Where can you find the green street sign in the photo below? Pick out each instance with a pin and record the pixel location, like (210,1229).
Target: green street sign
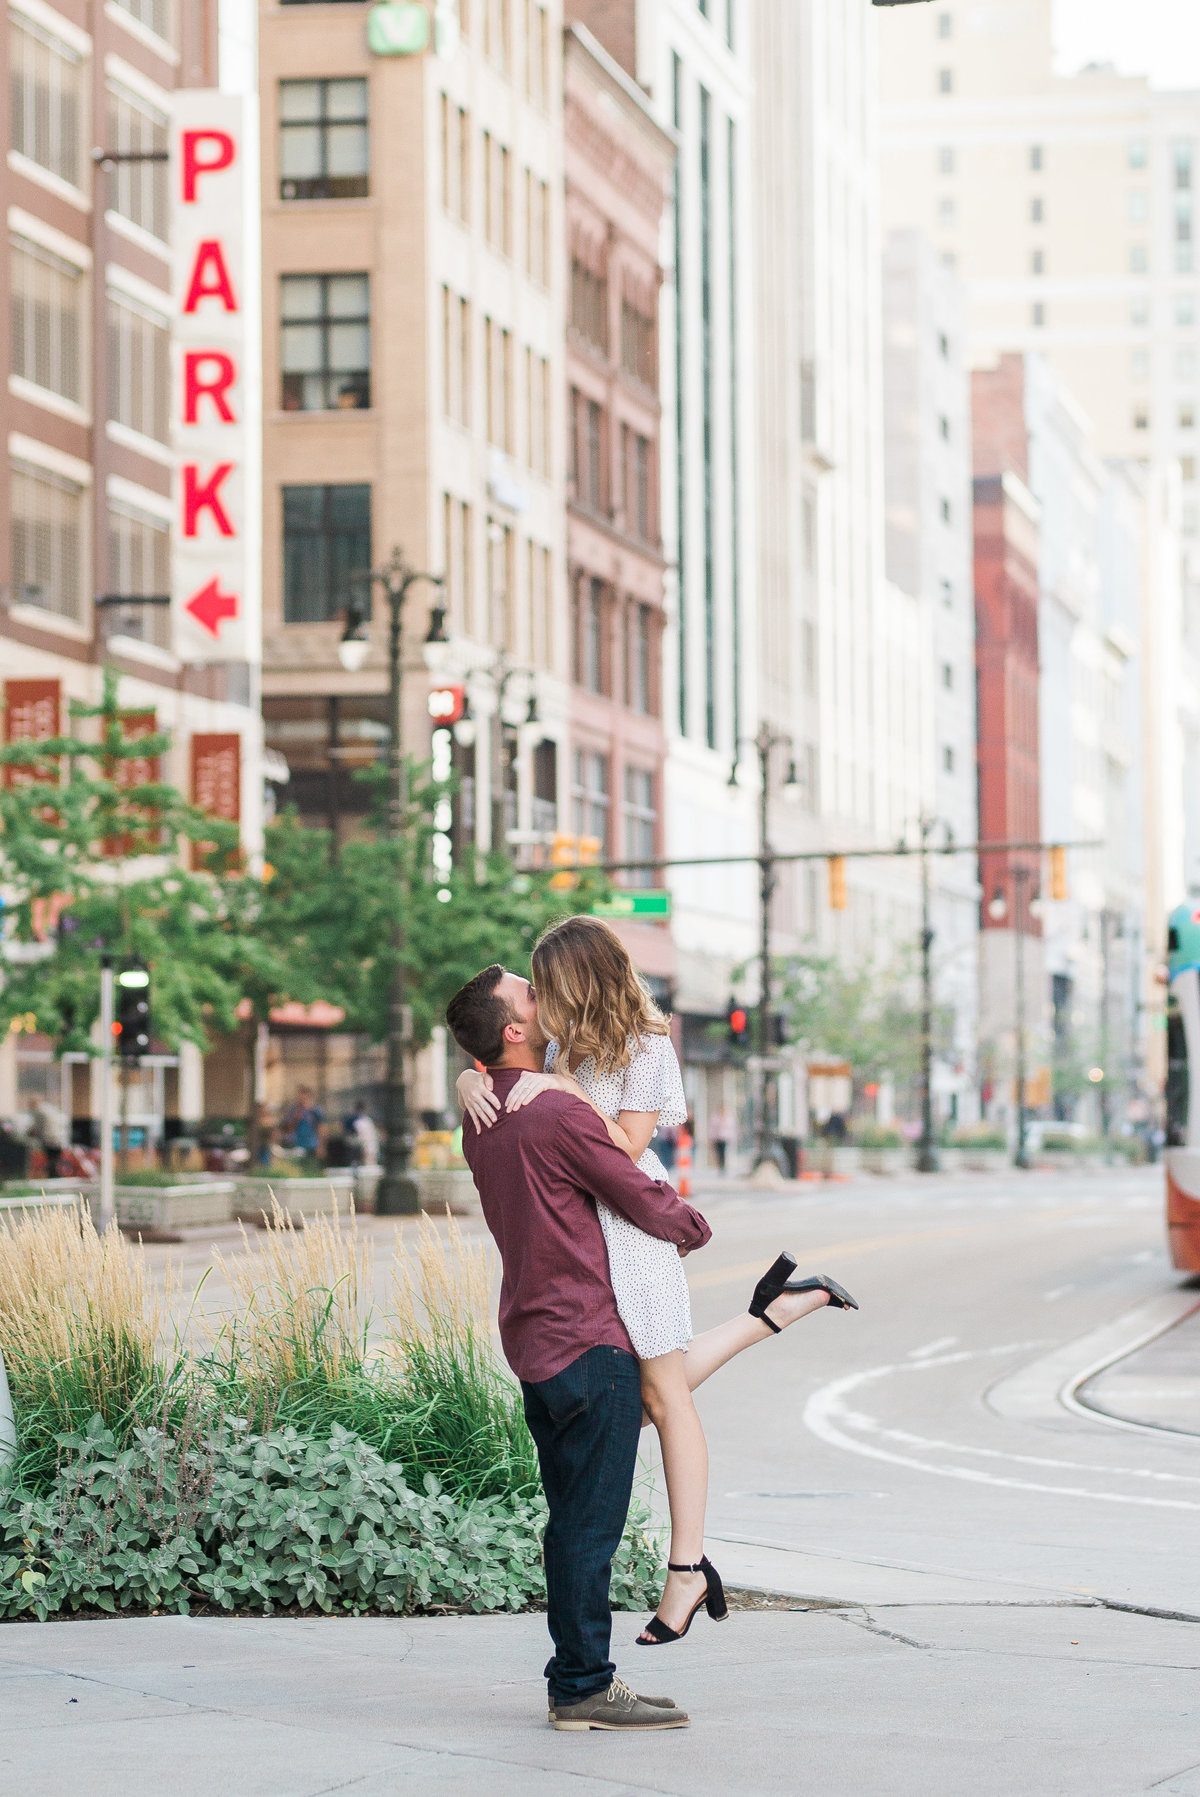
(634,904)
(397,28)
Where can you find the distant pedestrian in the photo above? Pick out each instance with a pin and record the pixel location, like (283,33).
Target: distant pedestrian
(722,1131)
(304,1122)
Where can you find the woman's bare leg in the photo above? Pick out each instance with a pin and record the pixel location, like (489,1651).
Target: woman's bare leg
(710,1350)
(668,1401)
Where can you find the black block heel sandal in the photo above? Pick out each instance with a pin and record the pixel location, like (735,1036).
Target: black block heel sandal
(713,1601)
(778,1279)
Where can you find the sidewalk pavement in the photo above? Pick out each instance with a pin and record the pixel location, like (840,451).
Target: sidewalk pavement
(1062,1701)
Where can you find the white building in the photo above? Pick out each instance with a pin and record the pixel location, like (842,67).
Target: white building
(1066,204)
(929,555)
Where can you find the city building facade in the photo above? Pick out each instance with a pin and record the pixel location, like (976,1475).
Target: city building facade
(414,375)
(929,526)
(87,502)
(618,170)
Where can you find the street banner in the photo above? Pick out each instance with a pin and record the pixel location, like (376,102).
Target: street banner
(32,712)
(215,395)
(216,782)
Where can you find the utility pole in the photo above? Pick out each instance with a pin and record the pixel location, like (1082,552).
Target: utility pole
(928,1160)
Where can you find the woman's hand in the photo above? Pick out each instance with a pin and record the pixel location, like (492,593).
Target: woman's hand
(528,1087)
(477,1098)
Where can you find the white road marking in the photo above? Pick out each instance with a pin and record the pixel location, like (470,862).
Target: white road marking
(943,1341)
(829,1418)
(1060,1291)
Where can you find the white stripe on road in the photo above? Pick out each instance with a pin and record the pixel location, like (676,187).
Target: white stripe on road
(829,1417)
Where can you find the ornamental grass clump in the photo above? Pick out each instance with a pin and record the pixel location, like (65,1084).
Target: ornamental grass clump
(83,1334)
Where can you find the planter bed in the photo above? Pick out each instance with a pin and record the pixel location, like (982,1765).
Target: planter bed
(13,1203)
(440,1187)
(192,1205)
(985,1160)
(884,1160)
(296,1198)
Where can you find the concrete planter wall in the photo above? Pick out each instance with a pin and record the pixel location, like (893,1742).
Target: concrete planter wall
(193,1205)
(839,1160)
(985,1160)
(884,1160)
(440,1187)
(297,1198)
(14,1203)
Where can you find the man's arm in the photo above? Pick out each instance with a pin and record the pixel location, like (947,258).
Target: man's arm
(603,1170)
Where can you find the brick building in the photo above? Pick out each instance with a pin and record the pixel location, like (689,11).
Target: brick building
(617,169)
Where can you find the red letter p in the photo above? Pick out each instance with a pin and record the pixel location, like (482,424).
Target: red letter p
(194,165)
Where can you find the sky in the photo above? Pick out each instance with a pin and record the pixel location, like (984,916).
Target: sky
(1159,38)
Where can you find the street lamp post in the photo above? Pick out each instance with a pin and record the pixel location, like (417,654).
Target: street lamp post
(397,1193)
(927,1155)
(998,909)
(764,743)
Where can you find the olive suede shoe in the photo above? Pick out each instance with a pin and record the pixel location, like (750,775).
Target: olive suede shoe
(618,1708)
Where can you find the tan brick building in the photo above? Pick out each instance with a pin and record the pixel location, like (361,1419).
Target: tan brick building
(413,346)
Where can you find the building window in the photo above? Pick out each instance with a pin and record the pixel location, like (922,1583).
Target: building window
(1185,364)
(589,303)
(1139,364)
(1181,158)
(139,564)
(157,16)
(639,677)
(948,594)
(537,43)
(945,81)
(1187,418)
(537,406)
(326,540)
(947,676)
(944,428)
(497,194)
(1137,152)
(323,140)
(946,213)
(138,191)
(943,346)
(325,342)
(48,535)
(498,380)
(590,649)
(587,434)
(456,161)
(1139,206)
(47,320)
(139,369)
(48,85)
(636,475)
(1139,312)
(1187,467)
(456,356)
(945,160)
(1185,310)
(639,355)
(1037,315)
(1037,211)
(945,511)
(1138,261)
(1035,158)
(591,797)
(1037,262)
(1141,418)
(639,825)
(948,759)
(537,228)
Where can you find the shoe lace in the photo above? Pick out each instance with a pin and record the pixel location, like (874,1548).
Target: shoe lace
(619,1690)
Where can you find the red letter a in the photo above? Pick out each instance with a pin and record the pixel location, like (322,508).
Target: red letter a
(210,278)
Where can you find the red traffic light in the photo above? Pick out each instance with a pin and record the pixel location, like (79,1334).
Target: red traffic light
(737,1022)
(447,704)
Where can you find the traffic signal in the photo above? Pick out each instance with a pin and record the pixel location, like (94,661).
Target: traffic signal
(131,1024)
(737,1020)
(837,882)
(1058,872)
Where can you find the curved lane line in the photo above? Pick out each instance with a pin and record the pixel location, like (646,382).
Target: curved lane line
(827,1415)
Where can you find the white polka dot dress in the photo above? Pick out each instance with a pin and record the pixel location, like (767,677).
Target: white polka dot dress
(647,1274)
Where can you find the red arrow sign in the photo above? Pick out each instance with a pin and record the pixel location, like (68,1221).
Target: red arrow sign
(210,605)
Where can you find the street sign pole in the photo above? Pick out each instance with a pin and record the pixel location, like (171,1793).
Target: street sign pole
(106,1104)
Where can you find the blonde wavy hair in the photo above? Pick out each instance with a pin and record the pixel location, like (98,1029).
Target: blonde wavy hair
(590,998)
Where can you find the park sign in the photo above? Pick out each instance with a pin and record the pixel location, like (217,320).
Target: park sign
(216,431)
(655,903)
(397,28)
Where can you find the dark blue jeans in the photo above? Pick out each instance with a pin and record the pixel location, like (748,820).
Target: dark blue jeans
(586,1422)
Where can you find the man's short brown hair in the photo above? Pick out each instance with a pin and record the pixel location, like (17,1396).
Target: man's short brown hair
(477,1016)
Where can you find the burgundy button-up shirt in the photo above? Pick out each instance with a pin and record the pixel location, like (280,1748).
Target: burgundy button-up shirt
(538,1171)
